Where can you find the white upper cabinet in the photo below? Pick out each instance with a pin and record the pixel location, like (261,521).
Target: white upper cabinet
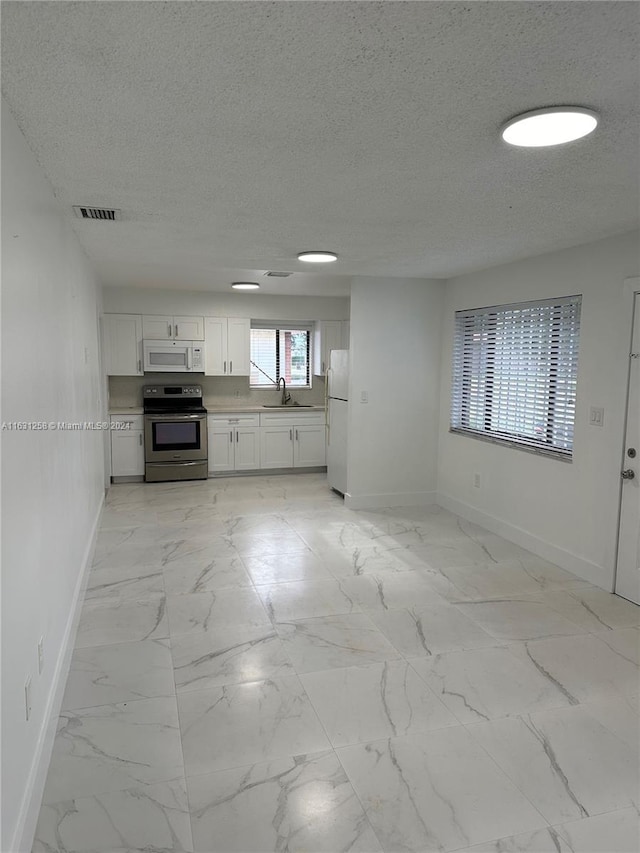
(239,345)
(189,328)
(327,336)
(159,327)
(122,340)
(227,346)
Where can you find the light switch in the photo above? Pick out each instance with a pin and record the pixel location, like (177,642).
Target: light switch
(596,416)
(364,396)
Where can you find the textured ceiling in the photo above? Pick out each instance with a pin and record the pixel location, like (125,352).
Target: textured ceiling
(235,134)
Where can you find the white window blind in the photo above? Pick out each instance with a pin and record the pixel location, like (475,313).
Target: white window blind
(280,350)
(515,371)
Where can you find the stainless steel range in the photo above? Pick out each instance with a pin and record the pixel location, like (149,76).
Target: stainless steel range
(175,433)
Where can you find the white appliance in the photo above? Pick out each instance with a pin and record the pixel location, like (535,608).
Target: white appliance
(337,410)
(173,356)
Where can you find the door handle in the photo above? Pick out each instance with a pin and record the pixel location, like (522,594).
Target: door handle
(628,474)
(230,367)
(290,435)
(297,435)
(231,436)
(169,327)
(140,439)
(176,330)
(224,370)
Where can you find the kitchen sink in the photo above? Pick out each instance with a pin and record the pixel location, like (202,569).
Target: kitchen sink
(281,406)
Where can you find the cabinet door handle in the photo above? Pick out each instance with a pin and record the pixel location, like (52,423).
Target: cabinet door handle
(230,367)
(296,435)
(231,436)
(140,439)
(169,327)
(224,370)
(176,330)
(139,366)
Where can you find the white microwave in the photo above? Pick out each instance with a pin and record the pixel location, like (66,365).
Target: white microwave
(173,357)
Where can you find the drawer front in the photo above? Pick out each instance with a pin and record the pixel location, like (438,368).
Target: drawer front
(131,422)
(291,418)
(232,420)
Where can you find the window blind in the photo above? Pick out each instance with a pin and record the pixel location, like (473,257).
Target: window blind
(515,373)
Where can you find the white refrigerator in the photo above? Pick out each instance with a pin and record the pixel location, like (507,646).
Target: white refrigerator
(337,409)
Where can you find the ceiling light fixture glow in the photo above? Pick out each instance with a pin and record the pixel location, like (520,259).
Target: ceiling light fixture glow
(549,126)
(245,285)
(317,257)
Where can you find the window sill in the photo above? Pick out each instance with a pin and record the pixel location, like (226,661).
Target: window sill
(559,455)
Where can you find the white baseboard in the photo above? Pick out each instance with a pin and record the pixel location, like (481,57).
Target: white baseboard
(585,569)
(389,500)
(30,809)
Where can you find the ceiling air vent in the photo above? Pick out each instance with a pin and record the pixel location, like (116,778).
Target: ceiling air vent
(273,274)
(107,213)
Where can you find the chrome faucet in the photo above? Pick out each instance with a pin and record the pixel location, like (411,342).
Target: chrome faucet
(285,397)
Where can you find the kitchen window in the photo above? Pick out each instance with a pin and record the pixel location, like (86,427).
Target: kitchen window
(280,350)
(515,373)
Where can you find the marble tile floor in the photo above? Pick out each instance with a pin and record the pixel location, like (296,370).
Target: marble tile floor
(258,668)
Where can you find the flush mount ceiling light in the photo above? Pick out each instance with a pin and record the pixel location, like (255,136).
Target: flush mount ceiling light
(317,257)
(245,285)
(549,126)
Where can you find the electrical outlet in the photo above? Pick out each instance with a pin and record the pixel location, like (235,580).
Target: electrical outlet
(364,396)
(476,481)
(27,698)
(40,655)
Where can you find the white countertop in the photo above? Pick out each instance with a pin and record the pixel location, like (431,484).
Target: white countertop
(213,410)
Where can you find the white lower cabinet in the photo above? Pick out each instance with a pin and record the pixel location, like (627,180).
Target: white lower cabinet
(309,446)
(292,440)
(276,446)
(248,442)
(127,446)
(234,442)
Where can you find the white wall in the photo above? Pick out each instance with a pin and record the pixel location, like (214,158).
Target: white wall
(142,300)
(52,482)
(564,512)
(395,359)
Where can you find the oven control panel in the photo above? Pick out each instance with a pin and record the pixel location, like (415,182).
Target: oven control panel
(168,391)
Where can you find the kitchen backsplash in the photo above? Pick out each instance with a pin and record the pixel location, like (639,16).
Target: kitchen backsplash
(217,391)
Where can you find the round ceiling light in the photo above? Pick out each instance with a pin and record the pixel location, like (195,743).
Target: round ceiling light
(245,285)
(317,257)
(549,126)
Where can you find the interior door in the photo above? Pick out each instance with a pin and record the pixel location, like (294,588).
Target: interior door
(628,568)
